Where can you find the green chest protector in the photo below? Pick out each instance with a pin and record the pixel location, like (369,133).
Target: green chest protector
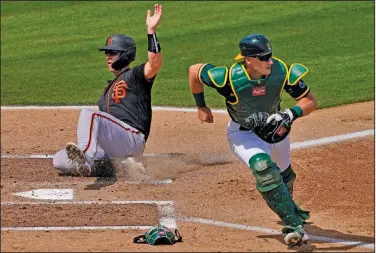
(262,95)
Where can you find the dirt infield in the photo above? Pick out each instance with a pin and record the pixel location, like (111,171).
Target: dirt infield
(215,203)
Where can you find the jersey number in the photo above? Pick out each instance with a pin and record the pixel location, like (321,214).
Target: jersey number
(119,91)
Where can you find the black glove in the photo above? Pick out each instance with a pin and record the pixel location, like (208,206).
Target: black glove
(277,126)
(255,120)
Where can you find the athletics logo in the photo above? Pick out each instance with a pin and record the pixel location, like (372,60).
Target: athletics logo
(119,91)
(301,84)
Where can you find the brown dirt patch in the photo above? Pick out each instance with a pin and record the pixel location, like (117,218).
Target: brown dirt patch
(78,215)
(335,182)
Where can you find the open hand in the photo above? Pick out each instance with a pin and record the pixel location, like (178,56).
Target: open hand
(153,21)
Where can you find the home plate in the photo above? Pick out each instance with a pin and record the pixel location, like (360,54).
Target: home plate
(52,194)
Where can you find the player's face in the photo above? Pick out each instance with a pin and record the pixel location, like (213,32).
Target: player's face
(261,65)
(111,56)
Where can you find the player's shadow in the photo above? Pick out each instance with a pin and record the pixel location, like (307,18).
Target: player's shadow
(103,170)
(105,173)
(101,182)
(315,232)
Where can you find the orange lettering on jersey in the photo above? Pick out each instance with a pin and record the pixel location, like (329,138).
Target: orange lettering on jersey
(109,41)
(119,91)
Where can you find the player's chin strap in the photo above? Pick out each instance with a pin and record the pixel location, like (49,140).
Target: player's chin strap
(178,236)
(142,238)
(117,76)
(139,239)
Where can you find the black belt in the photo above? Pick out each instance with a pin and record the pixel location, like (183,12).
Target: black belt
(244,129)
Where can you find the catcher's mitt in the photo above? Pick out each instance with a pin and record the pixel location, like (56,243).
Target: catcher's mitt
(276,128)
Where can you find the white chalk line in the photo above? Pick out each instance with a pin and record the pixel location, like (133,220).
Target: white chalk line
(276,232)
(35,156)
(73,107)
(296,145)
(166,214)
(73,228)
(89,202)
(331,139)
(118,182)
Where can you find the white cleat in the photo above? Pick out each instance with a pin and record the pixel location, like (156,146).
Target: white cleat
(297,237)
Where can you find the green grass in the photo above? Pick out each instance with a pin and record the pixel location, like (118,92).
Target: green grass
(49,50)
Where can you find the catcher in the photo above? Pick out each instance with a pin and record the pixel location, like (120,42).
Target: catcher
(258,131)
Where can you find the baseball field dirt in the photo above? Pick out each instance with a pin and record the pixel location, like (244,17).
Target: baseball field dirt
(191,171)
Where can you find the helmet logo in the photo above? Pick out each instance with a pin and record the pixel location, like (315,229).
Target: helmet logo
(109,41)
(269,46)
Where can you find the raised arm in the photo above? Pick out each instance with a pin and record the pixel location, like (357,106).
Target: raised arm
(154,62)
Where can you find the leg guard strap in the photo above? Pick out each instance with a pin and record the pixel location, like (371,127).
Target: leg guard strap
(289,177)
(280,201)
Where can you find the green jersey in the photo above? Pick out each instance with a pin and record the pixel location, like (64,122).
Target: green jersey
(244,96)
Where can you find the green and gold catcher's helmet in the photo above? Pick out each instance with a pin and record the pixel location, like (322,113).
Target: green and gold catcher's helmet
(254,45)
(157,235)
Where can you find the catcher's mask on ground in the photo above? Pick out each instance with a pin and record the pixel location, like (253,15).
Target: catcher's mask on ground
(158,235)
(255,45)
(123,44)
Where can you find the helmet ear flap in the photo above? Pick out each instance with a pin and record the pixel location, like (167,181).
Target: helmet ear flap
(124,59)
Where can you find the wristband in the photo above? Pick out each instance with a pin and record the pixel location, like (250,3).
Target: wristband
(199,99)
(296,111)
(153,44)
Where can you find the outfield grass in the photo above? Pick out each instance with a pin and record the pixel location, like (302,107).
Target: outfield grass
(49,49)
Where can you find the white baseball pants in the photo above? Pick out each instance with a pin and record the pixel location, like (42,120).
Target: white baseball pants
(100,135)
(245,144)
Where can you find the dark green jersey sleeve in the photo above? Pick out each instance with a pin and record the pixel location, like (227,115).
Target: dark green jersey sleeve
(297,91)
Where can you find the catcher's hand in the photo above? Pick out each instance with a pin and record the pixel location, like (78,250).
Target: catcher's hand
(285,115)
(277,127)
(256,119)
(205,114)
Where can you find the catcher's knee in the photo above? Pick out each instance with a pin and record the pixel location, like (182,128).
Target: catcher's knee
(266,172)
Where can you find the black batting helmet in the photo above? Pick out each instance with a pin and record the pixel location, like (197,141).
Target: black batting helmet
(123,44)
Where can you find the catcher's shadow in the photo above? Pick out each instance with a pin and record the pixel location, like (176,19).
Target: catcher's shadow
(315,231)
